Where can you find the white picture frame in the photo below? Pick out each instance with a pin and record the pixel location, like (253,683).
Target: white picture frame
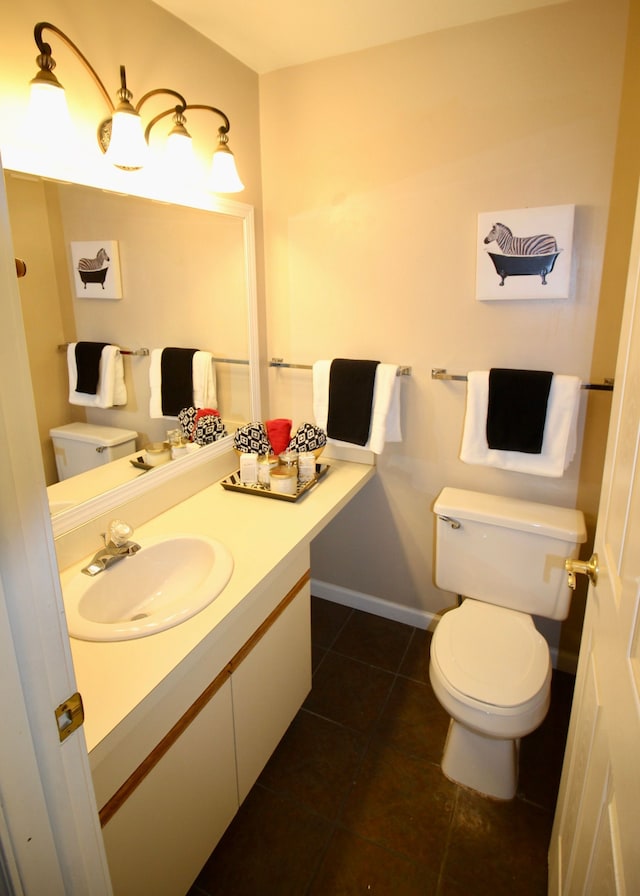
(525,253)
(95,269)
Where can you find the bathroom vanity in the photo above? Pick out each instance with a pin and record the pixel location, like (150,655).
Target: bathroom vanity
(179,724)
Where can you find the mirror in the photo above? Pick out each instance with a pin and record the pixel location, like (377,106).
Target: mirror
(187,278)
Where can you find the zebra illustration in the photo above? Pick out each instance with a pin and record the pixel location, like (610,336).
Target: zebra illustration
(540,244)
(94,270)
(94,264)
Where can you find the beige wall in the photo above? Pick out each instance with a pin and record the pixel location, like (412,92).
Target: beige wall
(376,165)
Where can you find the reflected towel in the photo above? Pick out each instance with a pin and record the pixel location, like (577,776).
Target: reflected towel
(204,383)
(560,433)
(385,415)
(111,389)
(88,356)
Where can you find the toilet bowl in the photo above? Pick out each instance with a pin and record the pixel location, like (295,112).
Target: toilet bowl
(490,669)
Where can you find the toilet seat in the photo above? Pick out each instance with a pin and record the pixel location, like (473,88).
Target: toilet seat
(491,656)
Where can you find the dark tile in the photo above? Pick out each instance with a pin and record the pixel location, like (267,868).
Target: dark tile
(374,640)
(327,619)
(542,751)
(413,721)
(353,866)
(271,848)
(497,848)
(416,660)
(315,763)
(317,655)
(349,692)
(403,804)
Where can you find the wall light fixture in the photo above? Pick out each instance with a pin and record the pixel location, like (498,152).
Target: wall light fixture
(121,135)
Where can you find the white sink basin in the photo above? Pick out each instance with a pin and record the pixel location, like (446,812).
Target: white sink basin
(167,581)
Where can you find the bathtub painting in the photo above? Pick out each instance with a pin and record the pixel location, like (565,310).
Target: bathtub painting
(524,253)
(96,269)
(523,265)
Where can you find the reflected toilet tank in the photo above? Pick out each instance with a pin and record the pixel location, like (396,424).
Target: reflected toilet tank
(506,551)
(83,446)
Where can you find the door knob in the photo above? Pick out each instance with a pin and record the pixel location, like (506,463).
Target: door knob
(582,567)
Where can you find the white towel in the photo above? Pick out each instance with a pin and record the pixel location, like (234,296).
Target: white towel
(558,444)
(204,382)
(385,406)
(111,386)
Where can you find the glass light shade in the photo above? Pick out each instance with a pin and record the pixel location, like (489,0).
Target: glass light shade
(224,175)
(179,152)
(127,146)
(47,113)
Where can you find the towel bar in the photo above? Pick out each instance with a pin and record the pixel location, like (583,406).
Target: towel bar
(123,351)
(143,352)
(279,362)
(440,373)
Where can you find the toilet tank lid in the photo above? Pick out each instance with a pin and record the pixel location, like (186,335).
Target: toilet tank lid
(563,523)
(94,434)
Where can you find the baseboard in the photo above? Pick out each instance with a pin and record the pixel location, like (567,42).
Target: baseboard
(357,600)
(376,605)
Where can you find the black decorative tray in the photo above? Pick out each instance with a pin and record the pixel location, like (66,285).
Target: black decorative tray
(234,484)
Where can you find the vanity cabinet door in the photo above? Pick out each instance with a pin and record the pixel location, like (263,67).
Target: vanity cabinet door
(270,684)
(164,832)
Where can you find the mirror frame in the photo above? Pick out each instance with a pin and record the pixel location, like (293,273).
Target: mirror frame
(69,519)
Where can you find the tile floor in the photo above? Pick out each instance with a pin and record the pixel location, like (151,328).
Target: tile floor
(353,800)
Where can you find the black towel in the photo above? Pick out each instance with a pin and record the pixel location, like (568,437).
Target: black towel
(517,409)
(350,400)
(176,370)
(88,356)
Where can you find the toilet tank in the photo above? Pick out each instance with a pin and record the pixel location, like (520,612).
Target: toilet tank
(83,446)
(506,551)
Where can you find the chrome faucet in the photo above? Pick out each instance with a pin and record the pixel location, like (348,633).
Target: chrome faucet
(117,544)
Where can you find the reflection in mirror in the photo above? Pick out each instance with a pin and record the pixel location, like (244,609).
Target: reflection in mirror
(185,276)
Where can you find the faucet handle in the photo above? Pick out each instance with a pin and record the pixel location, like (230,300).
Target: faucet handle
(118,533)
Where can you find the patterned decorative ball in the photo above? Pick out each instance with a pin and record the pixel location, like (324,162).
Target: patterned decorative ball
(252,438)
(187,421)
(308,437)
(209,428)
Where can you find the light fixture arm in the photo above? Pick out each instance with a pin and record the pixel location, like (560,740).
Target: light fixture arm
(181,109)
(47,63)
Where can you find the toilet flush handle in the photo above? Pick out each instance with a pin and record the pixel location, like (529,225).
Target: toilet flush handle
(447,519)
(582,567)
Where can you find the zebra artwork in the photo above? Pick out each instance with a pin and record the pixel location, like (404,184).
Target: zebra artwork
(94,270)
(540,244)
(522,255)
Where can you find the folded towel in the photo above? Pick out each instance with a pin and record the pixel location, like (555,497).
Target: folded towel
(176,383)
(351,386)
(110,389)
(385,417)
(559,442)
(203,383)
(279,433)
(517,409)
(88,356)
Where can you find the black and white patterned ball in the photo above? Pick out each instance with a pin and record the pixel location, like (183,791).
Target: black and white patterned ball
(209,428)
(252,439)
(187,421)
(308,437)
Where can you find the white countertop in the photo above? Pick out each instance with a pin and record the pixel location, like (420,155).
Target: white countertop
(114,678)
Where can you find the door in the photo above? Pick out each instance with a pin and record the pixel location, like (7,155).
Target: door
(594,844)
(50,838)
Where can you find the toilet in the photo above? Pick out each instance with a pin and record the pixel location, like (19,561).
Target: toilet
(83,446)
(490,668)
